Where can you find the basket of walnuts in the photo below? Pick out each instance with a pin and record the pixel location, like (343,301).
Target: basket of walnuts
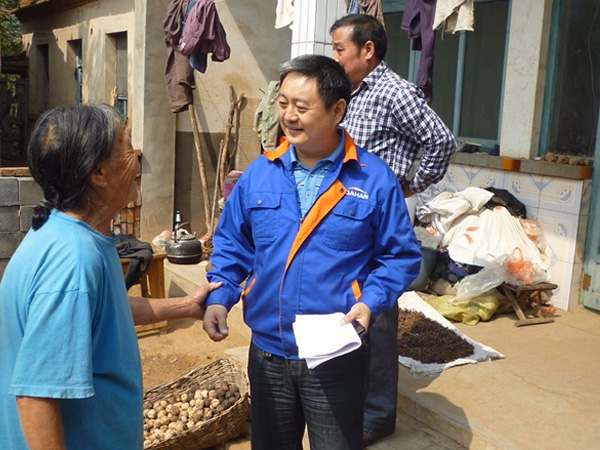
(204,407)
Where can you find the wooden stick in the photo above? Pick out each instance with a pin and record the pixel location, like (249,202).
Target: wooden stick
(235,104)
(216,191)
(201,168)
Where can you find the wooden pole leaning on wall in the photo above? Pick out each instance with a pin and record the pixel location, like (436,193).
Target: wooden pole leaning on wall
(201,169)
(226,159)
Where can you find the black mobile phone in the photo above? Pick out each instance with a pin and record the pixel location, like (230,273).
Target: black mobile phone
(360,330)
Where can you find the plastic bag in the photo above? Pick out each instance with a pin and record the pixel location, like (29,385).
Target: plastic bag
(534,232)
(521,268)
(469,311)
(491,276)
(161,240)
(512,269)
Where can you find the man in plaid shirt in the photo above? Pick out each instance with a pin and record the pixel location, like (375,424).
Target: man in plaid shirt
(388,116)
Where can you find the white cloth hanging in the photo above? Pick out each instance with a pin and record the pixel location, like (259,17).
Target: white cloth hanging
(454,15)
(284,13)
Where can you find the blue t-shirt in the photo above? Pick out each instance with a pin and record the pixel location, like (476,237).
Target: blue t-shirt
(66,332)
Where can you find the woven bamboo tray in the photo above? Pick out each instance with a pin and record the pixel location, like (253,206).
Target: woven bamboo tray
(217,430)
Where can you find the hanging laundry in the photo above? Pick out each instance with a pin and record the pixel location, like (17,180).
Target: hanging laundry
(352,7)
(284,13)
(203,33)
(418,21)
(454,15)
(266,120)
(372,8)
(179,76)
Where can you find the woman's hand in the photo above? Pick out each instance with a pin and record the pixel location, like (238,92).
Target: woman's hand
(151,310)
(196,300)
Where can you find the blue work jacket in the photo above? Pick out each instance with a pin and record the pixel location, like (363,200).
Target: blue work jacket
(356,243)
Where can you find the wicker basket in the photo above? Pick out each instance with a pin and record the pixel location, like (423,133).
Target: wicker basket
(217,430)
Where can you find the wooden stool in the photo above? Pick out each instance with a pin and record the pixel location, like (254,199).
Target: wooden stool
(152,284)
(523,297)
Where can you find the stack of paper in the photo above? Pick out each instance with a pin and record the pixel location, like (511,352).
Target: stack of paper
(320,337)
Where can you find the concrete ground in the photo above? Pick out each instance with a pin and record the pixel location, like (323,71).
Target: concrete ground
(543,395)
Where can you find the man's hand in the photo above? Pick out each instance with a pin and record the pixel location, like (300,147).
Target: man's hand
(359,312)
(215,322)
(196,299)
(406,190)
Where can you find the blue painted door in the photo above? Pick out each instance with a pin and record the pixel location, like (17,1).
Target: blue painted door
(590,294)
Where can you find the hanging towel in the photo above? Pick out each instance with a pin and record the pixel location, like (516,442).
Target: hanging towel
(454,15)
(284,13)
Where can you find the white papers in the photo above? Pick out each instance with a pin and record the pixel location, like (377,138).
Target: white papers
(320,337)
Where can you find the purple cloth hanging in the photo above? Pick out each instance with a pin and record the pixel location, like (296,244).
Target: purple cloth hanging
(418,21)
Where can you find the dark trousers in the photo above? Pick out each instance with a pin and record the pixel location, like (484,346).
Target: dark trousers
(382,378)
(286,396)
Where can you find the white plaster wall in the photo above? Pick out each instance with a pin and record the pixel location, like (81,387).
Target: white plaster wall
(525,78)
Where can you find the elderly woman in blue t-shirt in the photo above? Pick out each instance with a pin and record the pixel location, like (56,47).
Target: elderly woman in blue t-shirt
(70,370)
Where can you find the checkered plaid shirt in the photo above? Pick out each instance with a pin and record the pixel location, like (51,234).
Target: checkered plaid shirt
(389,117)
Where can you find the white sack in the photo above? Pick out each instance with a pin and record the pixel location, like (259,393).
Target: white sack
(410,300)
(479,239)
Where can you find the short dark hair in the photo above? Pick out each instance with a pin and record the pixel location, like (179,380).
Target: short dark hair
(332,81)
(364,28)
(66,145)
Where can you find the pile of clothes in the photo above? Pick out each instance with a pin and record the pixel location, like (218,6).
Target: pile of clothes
(484,238)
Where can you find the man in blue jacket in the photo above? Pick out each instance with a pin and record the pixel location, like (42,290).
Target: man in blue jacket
(315,226)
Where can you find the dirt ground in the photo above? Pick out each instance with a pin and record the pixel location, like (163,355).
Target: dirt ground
(184,347)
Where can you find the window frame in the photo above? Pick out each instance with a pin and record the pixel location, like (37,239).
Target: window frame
(398,6)
(549,99)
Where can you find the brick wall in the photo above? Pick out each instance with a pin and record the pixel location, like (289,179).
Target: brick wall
(18,196)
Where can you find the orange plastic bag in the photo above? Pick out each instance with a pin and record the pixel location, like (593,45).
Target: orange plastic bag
(521,268)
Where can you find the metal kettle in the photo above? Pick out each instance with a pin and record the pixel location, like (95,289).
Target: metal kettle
(184,247)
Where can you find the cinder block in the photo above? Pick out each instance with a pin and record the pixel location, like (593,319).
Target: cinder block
(8,244)
(9,191)
(9,218)
(25,214)
(30,193)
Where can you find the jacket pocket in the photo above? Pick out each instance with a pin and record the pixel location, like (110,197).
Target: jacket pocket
(265,214)
(349,226)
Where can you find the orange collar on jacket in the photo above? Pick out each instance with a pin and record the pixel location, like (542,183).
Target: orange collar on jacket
(349,149)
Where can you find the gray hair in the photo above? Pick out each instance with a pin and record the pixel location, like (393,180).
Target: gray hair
(66,145)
